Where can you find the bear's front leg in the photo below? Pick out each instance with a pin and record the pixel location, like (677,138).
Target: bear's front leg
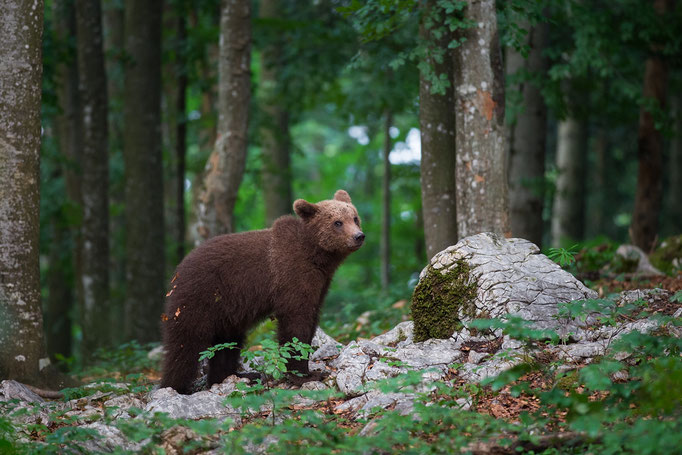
(297,325)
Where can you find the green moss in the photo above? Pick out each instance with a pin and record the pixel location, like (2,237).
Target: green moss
(569,381)
(440,298)
(670,249)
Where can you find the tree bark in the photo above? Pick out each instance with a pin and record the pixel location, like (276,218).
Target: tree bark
(94,314)
(57,320)
(675,171)
(113,22)
(527,141)
(568,214)
(386,205)
(181,133)
(482,194)
(644,226)
(225,167)
(143,170)
(438,161)
(21,320)
(275,138)
(59,304)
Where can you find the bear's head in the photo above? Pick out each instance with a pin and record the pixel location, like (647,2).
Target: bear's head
(334,223)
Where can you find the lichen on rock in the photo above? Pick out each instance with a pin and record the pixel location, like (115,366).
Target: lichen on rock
(440,298)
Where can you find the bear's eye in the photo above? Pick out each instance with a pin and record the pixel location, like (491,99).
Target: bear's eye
(338,223)
(356,221)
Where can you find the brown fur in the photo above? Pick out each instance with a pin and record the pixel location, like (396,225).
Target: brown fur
(231,282)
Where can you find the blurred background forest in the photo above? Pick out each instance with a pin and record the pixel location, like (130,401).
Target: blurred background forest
(155,113)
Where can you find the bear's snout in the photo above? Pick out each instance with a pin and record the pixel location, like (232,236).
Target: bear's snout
(359,238)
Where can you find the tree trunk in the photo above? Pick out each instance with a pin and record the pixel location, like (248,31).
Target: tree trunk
(181,133)
(644,226)
(598,212)
(386,206)
(57,320)
(113,21)
(225,166)
(438,161)
(482,194)
(65,250)
(143,170)
(675,171)
(568,213)
(275,130)
(21,319)
(527,142)
(94,313)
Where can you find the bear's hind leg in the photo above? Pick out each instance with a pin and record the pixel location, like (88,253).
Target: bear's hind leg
(180,366)
(225,362)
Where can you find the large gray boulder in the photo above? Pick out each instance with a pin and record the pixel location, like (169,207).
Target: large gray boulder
(499,276)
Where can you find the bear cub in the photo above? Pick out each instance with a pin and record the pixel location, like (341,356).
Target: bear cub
(231,282)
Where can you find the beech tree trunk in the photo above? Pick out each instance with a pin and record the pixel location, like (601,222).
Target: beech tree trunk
(56,317)
(675,171)
(644,226)
(527,141)
(181,133)
(94,313)
(225,167)
(113,22)
(482,194)
(21,320)
(275,136)
(65,250)
(568,213)
(145,281)
(386,205)
(438,161)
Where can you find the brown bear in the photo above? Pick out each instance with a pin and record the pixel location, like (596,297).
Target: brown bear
(233,281)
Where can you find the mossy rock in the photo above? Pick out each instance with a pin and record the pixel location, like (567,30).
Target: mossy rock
(663,257)
(440,298)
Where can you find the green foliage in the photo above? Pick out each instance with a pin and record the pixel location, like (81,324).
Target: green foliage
(128,358)
(563,256)
(210,352)
(440,298)
(271,359)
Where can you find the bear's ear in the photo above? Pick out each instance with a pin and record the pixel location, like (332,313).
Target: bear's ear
(342,196)
(305,209)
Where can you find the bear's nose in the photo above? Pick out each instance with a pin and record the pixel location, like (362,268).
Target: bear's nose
(359,237)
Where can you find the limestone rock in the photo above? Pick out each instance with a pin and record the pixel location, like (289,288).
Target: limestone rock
(13,390)
(512,277)
(635,255)
(196,406)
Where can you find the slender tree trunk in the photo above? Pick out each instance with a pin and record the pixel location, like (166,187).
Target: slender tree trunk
(143,170)
(94,314)
(113,22)
(58,310)
(675,171)
(644,226)
(275,130)
(57,320)
(438,161)
(225,167)
(482,194)
(598,213)
(527,142)
(386,205)
(181,133)
(21,319)
(568,214)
